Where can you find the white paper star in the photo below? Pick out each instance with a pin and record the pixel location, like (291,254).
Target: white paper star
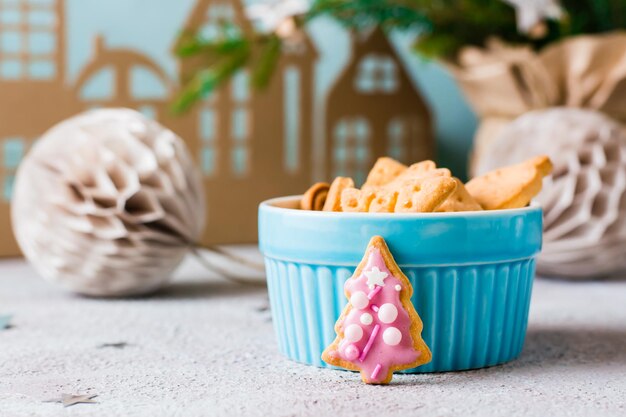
(531,12)
(269,15)
(375,277)
(69,400)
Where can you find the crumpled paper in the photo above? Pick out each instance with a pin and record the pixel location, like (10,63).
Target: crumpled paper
(584,200)
(503,82)
(107,203)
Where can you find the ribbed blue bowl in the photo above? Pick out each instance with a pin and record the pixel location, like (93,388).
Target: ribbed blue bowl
(472,276)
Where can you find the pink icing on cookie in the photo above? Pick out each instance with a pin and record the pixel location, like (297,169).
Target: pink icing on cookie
(377,357)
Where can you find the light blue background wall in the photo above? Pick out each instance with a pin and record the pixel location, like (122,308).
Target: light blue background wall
(152,26)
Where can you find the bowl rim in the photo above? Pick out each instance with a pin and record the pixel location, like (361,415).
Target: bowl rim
(336,238)
(271,205)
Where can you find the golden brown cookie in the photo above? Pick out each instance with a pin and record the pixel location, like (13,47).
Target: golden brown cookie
(355,200)
(420,168)
(424,195)
(315,197)
(459,200)
(333,199)
(383,201)
(397,290)
(373,200)
(543,164)
(417,171)
(384,171)
(512,186)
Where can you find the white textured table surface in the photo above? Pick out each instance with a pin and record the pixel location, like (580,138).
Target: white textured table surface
(205,347)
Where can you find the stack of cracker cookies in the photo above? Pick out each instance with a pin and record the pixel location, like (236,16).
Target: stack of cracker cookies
(392,187)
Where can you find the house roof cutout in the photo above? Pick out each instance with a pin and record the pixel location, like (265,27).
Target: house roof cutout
(123,63)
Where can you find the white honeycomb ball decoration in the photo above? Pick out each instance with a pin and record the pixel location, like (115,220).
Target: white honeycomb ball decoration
(107,203)
(584,201)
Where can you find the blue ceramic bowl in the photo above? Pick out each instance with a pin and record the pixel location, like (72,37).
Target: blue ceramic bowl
(472,275)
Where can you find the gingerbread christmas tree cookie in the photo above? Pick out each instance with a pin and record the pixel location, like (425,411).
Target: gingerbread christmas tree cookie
(379,331)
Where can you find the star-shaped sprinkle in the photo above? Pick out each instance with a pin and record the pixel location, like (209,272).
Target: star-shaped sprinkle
(375,277)
(269,15)
(532,12)
(117,345)
(5,322)
(69,400)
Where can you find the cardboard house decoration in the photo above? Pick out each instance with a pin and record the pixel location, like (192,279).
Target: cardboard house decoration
(250,145)
(373,109)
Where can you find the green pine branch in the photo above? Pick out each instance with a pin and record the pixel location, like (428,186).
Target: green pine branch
(445,26)
(363,14)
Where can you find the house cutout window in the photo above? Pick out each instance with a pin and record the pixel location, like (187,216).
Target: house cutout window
(208,160)
(28,40)
(351,138)
(291,145)
(13,150)
(145,84)
(397,138)
(10,41)
(41,70)
(100,86)
(41,43)
(7,187)
(37,17)
(239,148)
(10,69)
(11,17)
(208,133)
(240,123)
(240,87)
(207,124)
(149,111)
(220,19)
(377,74)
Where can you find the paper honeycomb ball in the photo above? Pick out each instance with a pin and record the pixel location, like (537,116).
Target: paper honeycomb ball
(584,201)
(107,203)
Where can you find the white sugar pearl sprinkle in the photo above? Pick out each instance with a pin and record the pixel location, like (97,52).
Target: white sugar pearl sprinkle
(392,336)
(359,300)
(387,313)
(353,333)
